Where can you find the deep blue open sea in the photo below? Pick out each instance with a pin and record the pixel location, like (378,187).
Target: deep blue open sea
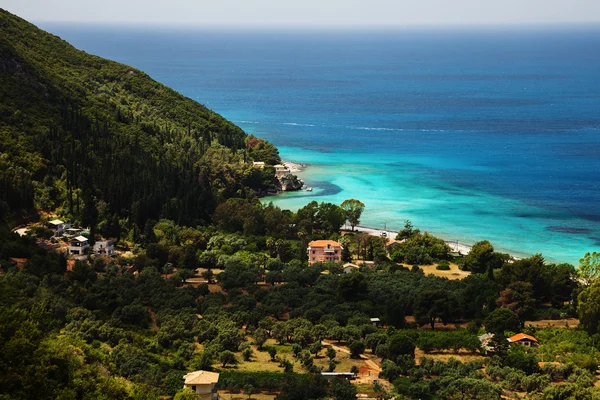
(487,133)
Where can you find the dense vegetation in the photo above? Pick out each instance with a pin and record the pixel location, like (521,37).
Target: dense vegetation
(101,143)
(76,130)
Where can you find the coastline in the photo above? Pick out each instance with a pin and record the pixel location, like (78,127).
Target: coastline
(455,246)
(294,167)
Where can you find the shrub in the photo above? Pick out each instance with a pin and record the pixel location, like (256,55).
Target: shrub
(443,266)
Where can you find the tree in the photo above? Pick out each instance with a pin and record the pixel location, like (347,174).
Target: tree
(341,389)
(589,308)
(400,344)
(357,347)
(227,357)
(482,258)
(353,209)
(408,231)
(589,267)
(316,348)
(260,337)
(330,353)
(433,304)
(501,320)
(249,390)
(272,353)
(186,394)
(518,297)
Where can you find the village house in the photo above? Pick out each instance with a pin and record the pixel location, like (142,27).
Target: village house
(349,267)
(78,245)
(324,251)
(57,226)
(203,383)
(258,164)
(392,244)
(524,340)
(104,248)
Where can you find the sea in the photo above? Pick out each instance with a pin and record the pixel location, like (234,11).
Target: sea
(471,133)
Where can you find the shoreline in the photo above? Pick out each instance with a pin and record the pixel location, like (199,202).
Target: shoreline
(455,246)
(294,167)
(462,248)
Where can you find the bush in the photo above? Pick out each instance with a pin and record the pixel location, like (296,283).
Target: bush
(443,266)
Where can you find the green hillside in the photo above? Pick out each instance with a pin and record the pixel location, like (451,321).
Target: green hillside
(76,130)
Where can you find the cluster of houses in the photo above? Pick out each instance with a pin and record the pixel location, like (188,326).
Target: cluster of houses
(77,243)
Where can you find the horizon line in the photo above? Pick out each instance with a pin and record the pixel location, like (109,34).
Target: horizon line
(201,24)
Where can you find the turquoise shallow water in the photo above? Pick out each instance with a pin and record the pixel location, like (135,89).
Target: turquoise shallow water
(471,134)
(445,210)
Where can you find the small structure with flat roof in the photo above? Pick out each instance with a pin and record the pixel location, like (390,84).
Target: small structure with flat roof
(57,226)
(203,383)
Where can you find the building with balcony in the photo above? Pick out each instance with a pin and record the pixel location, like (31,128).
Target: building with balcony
(79,245)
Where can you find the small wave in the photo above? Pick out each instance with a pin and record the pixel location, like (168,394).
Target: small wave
(296,124)
(246,122)
(366,128)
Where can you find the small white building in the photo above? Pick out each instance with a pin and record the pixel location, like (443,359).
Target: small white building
(57,226)
(258,164)
(104,248)
(78,245)
(203,383)
(349,267)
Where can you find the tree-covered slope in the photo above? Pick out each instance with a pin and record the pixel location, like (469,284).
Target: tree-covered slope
(76,129)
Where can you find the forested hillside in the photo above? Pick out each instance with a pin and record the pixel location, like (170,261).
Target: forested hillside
(76,129)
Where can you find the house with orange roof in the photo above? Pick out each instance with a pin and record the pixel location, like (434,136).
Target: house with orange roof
(524,340)
(324,251)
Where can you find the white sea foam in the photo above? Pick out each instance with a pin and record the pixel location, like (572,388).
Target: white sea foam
(296,124)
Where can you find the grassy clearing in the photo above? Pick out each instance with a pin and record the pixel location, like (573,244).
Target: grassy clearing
(462,356)
(453,273)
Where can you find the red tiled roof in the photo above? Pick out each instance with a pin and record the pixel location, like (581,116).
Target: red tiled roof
(521,336)
(324,243)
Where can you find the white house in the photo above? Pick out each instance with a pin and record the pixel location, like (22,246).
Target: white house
(203,383)
(57,226)
(78,245)
(104,248)
(258,164)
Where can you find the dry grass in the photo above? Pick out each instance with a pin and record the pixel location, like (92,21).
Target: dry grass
(462,356)
(554,323)
(453,273)
(225,395)
(343,360)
